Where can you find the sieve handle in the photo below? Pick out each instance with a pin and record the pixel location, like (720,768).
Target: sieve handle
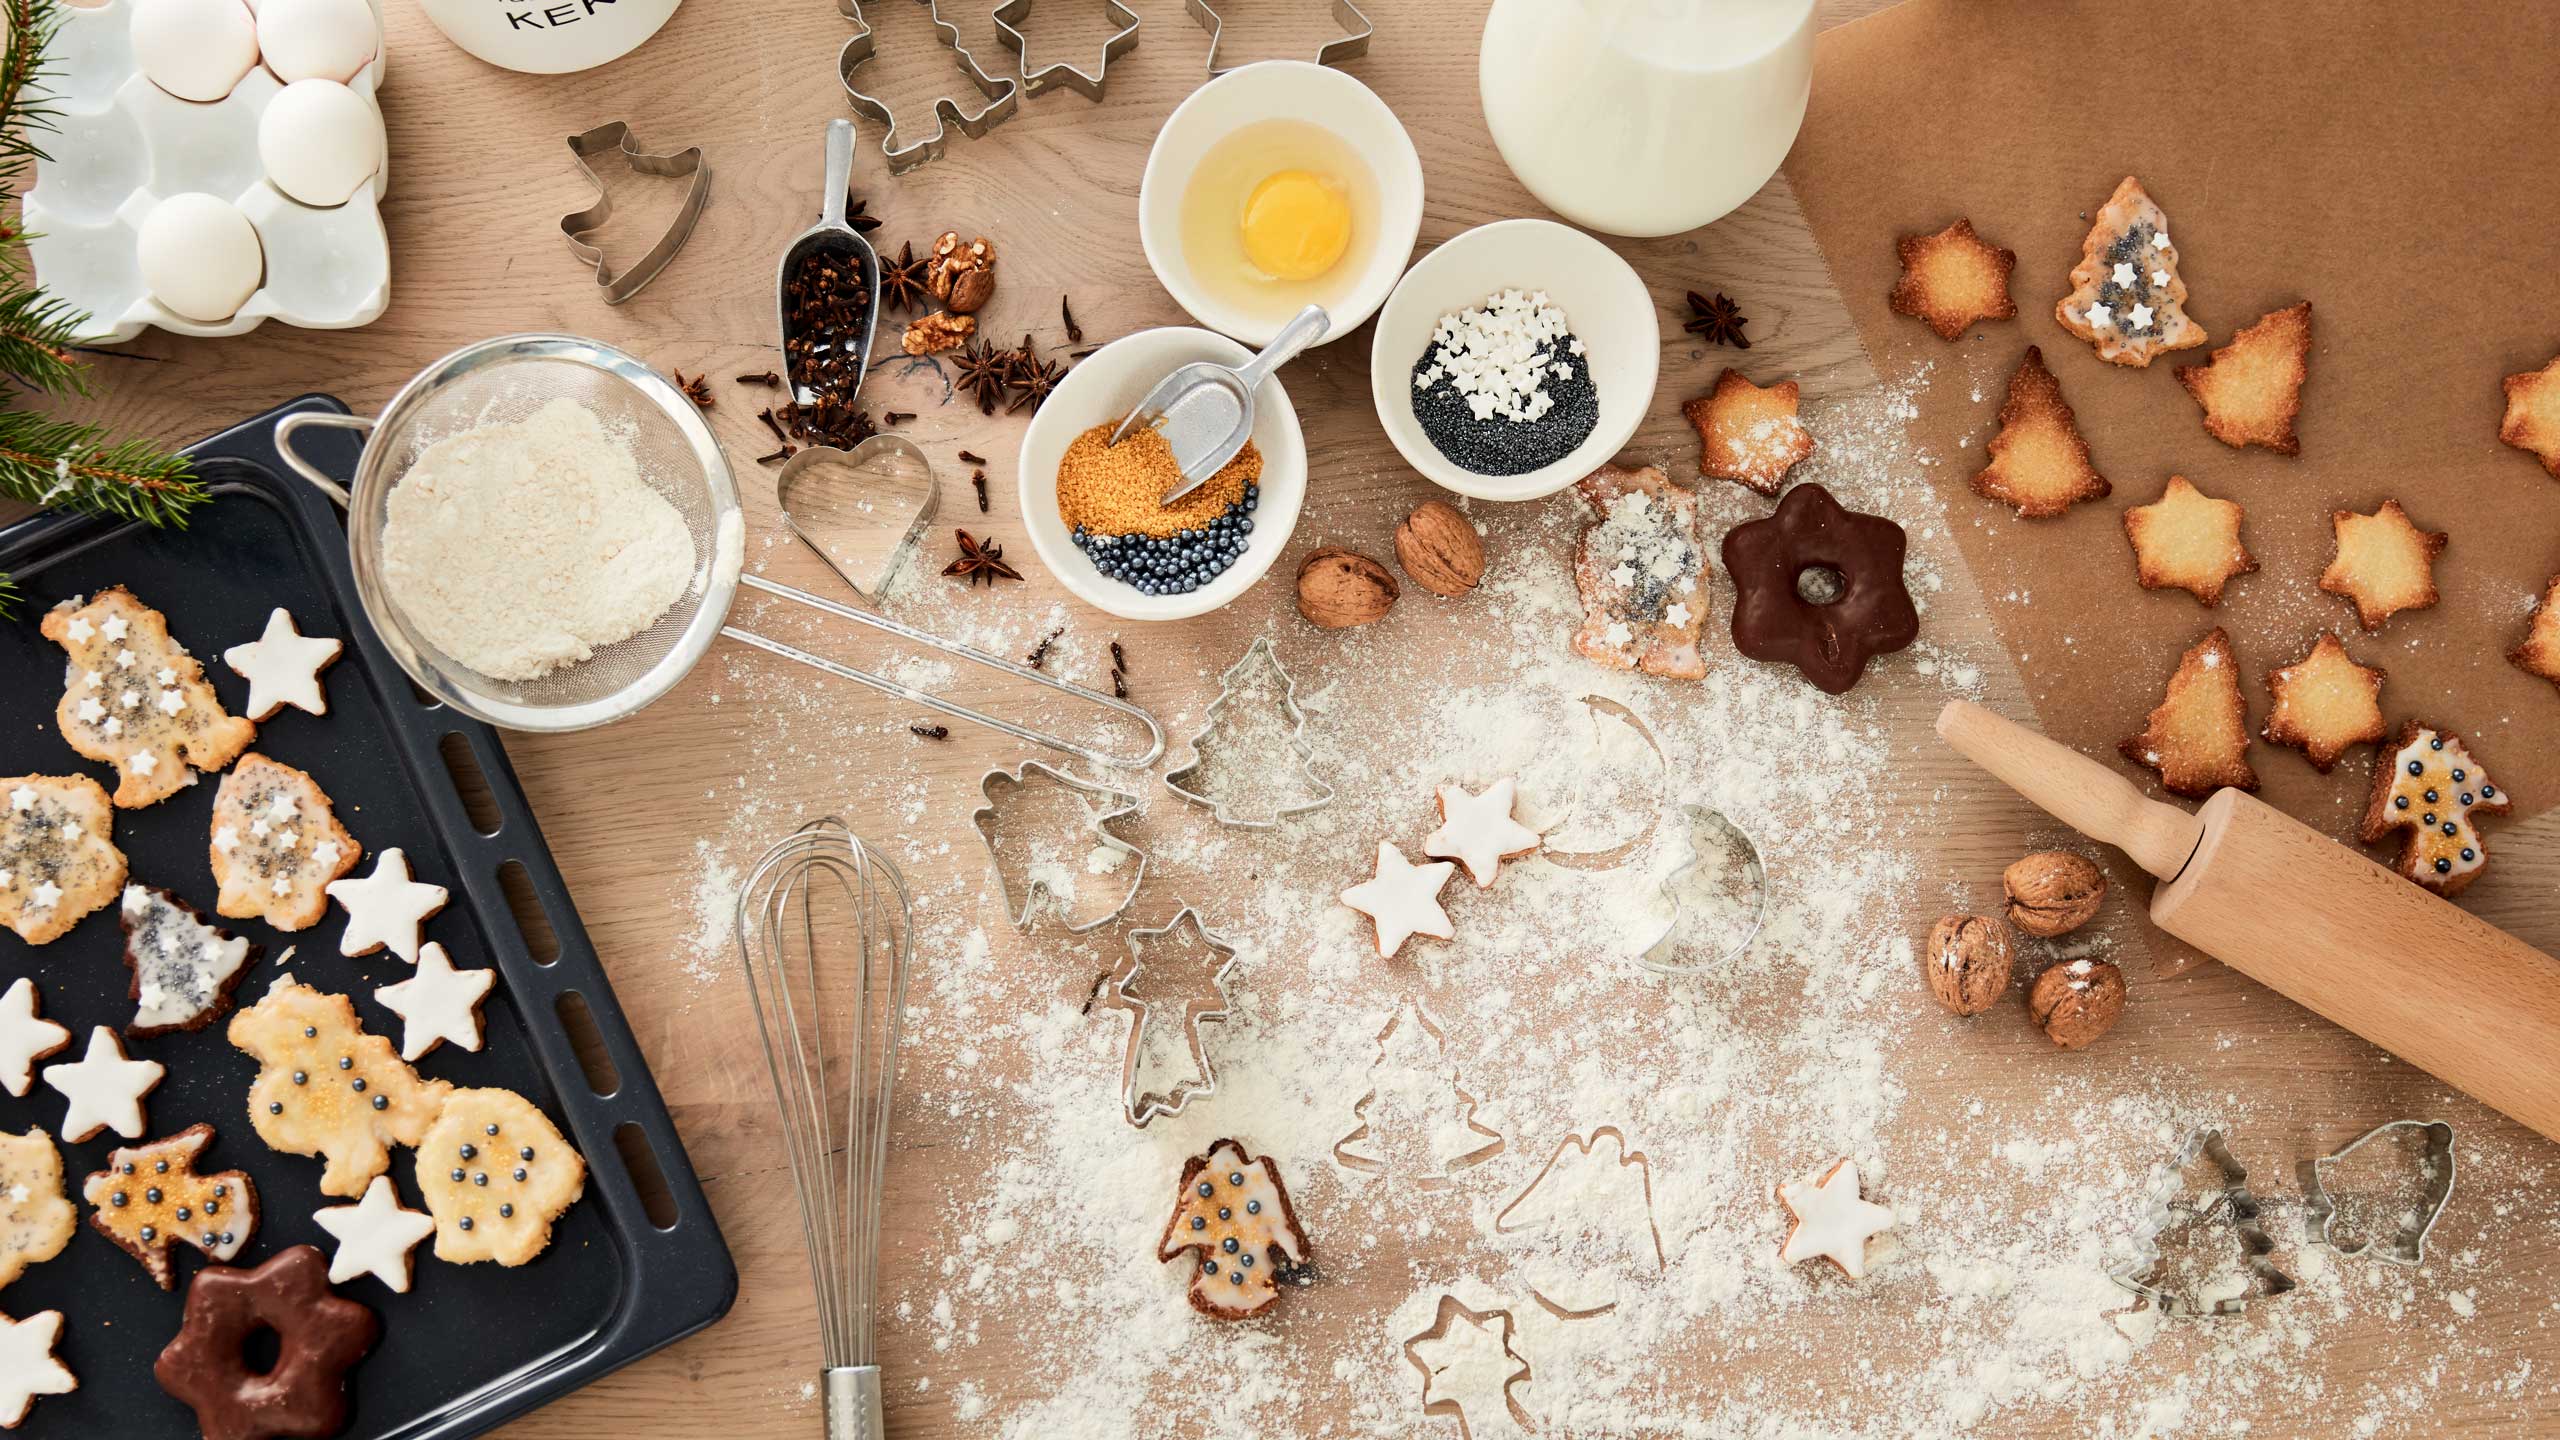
(301,420)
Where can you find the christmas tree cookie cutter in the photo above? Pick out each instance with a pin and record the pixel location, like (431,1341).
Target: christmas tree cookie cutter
(1353,43)
(1002,94)
(2166,1209)
(1185,780)
(2407,1245)
(1000,789)
(1124,990)
(1088,83)
(578,225)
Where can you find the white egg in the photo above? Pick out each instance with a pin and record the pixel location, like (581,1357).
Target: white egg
(200,256)
(194,49)
(320,141)
(317,39)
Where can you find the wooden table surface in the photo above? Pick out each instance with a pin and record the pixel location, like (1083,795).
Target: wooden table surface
(479,180)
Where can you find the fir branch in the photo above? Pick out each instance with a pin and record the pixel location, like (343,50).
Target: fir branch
(69,464)
(25,107)
(8,597)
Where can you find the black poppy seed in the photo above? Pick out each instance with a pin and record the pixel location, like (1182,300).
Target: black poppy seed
(1500,446)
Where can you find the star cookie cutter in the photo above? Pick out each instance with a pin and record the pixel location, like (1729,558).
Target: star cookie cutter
(1119,991)
(1182,779)
(2408,1244)
(1011,783)
(577,225)
(1742,850)
(2165,1210)
(1002,94)
(1353,44)
(1088,83)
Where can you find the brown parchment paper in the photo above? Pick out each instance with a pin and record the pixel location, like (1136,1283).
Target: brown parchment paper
(2394,165)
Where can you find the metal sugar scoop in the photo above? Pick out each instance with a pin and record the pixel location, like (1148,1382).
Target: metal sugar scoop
(1204,410)
(831,233)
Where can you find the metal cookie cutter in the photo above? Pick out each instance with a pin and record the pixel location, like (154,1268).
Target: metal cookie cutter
(1003,96)
(1182,779)
(1742,849)
(2166,1209)
(579,224)
(1126,989)
(1353,44)
(2407,1245)
(1121,805)
(1009,17)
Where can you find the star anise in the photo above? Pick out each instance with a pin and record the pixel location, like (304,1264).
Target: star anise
(857,214)
(1718,321)
(1033,379)
(980,557)
(982,372)
(902,281)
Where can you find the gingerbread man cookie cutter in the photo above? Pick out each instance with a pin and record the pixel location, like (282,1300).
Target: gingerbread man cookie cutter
(2233,1199)
(2407,1245)
(578,225)
(1353,43)
(1184,780)
(999,788)
(1120,990)
(1002,93)
(1088,83)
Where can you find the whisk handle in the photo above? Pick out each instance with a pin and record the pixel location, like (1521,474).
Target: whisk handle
(853,1403)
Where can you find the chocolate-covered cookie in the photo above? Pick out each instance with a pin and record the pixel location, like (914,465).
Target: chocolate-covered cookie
(1819,587)
(319,1338)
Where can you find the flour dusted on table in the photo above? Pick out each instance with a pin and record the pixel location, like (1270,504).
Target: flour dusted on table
(520,548)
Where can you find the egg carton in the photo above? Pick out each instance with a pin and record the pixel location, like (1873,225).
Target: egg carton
(122,144)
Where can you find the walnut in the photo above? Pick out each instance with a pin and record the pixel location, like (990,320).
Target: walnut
(1440,550)
(1969,961)
(951,261)
(971,291)
(1338,589)
(2077,1001)
(932,334)
(2053,892)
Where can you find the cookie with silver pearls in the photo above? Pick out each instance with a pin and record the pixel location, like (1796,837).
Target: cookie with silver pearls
(495,1173)
(151,1197)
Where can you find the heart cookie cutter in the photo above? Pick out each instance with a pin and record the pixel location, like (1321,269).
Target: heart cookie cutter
(2233,1198)
(1088,83)
(1118,805)
(1120,990)
(2408,1244)
(807,471)
(1353,44)
(615,137)
(1002,94)
(1183,779)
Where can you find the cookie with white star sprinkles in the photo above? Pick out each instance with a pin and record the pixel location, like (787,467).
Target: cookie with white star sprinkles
(1641,568)
(25,1036)
(386,909)
(58,861)
(1478,831)
(1403,899)
(137,700)
(2427,784)
(283,668)
(104,1087)
(327,1088)
(36,1220)
(183,967)
(375,1236)
(27,1366)
(276,845)
(151,1197)
(2126,298)
(437,1003)
(496,1173)
(1832,1221)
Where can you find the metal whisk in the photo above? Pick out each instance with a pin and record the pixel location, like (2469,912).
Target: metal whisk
(823,933)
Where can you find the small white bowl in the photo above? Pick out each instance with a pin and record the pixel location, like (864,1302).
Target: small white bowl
(1607,305)
(1282,90)
(1101,388)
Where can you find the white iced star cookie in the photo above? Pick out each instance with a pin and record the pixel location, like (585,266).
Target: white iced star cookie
(375,1236)
(27,1366)
(438,1003)
(1403,899)
(386,908)
(105,1089)
(283,668)
(1479,830)
(25,1037)
(1832,1221)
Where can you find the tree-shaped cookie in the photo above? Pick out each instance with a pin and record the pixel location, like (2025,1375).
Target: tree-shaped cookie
(1417,1123)
(2039,463)
(2426,784)
(327,1088)
(2126,298)
(1232,1220)
(2251,389)
(2198,737)
(152,1196)
(1251,765)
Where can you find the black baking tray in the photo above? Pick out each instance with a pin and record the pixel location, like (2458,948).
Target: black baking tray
(470,1346)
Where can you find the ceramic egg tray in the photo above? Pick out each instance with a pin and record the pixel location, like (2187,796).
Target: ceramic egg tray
(123,144)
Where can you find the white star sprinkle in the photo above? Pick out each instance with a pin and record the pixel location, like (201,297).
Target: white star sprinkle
(2124,274)
(2099,319)
(2140,317)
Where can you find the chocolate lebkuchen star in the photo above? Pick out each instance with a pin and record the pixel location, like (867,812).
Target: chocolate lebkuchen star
(1859,608)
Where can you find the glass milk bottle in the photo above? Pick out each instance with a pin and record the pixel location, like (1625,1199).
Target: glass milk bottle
(1645,117)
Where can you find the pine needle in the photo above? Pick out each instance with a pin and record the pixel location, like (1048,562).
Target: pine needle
(8,598)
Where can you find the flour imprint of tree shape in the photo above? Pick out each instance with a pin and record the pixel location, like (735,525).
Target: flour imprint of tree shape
(1468,1367)
(1168,995)
(1595,1196)
(1417,1123)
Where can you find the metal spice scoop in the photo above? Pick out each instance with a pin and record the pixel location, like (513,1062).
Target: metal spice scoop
(831,233)
(1205,410)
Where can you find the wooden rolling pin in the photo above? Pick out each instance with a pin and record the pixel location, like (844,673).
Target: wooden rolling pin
(2311,919)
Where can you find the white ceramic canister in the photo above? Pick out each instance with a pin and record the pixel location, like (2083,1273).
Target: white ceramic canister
(1645,117)
(548,37)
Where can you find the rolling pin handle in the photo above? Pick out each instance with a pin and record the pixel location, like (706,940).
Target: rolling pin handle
(2078,791)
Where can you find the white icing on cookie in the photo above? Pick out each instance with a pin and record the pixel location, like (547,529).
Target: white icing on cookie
(385,908)
(283,668)
(375,1236)
(24,1037)
(105,1089)
(1832,1221)
(1479,830)
(27,1366)
(1403,898)
(181,965)
(438,1003)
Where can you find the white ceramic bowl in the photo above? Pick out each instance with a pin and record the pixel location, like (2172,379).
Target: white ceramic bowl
(1282,90)
(1102,387)
(1608,306)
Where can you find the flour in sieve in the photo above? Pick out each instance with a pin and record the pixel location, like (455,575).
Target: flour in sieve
(520,548)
